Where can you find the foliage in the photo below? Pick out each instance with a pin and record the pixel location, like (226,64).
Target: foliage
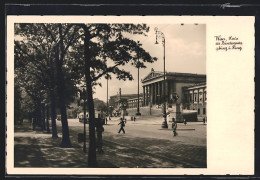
(53,60)
(100,105)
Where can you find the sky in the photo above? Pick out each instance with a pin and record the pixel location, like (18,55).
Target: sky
(185,52)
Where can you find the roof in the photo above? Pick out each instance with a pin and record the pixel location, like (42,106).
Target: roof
(127,95)
(195,85)
(156,74)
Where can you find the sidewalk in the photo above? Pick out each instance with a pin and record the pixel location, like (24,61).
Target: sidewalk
(38,149)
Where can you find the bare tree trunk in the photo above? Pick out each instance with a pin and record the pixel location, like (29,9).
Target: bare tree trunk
(53,116)
(60,87)
(65,129)
(47,118)
(92,138)
(43,116)
(53,81)
(39,113)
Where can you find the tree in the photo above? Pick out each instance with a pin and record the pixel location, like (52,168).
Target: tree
(103,42)
(34,57)
(62,36)
(18,115)
(100,105)
(53,42)
(81,52)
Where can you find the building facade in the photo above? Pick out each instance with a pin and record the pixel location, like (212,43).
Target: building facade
(133,102)
(195,98)
(153,86)
(128,100)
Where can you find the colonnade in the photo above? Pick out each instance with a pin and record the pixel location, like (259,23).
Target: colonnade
(153,93)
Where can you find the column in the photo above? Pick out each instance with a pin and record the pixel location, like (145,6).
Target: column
(156,93)
(173,88)
(151,94)
(149,89)
(170,87)
(143,104)
(147,95)
(194,102)
(160,92)
(166,91)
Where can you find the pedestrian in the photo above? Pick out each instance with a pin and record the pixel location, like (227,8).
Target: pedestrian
(174,127)
(184,121)
(204,120)
(109,118)
(122,125)
(100,130)
(106,120)
(134,118)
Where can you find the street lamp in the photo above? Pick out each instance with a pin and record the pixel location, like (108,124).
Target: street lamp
(83,95)
(138,66)
(107,95)
(160,34)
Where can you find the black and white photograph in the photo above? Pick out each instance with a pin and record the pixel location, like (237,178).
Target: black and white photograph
(110,95)
(128,95)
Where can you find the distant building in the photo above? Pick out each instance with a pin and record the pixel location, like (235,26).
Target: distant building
(116,101)
(133,102)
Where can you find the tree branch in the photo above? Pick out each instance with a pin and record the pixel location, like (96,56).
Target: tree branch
(49,32)
(110,69)
(67,29)
(71,39)
(30,56)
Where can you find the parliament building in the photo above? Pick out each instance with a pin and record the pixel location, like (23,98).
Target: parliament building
(190,90)
(174,82)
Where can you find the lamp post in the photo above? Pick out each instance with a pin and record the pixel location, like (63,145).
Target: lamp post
(161,35)
(83,95)
(107,96)
(138,66)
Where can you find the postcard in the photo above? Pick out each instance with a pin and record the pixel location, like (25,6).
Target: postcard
(130,95)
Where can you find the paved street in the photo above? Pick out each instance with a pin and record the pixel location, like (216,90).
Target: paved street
(145,145)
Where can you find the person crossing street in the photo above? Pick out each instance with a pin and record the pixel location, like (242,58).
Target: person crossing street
(122,125)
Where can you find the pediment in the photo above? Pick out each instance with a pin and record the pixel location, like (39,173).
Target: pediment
(152,75)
